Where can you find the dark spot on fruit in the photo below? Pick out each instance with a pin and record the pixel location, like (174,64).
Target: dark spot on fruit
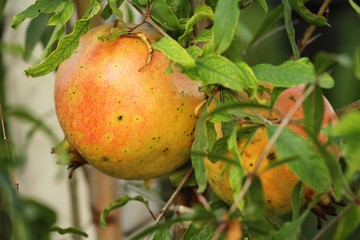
(251,164)
(100,76)
(81,66)
(268,201)
(115,65)
(120,117)
(119,101)
(159,137)
(119,160)
(292,98)
(271,156)
(125,150)
(73,92)
(105,159)
(182,104)
(177,109)
(153,138)
(137,119)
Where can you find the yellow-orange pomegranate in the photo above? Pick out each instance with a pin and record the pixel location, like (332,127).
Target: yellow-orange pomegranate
(120,108)
(277,182)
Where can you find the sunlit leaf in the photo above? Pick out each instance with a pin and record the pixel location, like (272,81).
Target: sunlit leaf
(66,45)
(308,165)
(288,74)
(174,51)
(226,19)
(326,81)
(63,13)
(215,69)
(164,15)
(264,5)
(162,233)
(40,6)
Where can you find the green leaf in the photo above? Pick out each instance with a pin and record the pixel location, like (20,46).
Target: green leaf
(34,33)
(306,14)
(201,12)
(114,6)
(307,164)
(314,111)
(348,223)
(175,52)
(215,69)
(291,230)
(297,200)
(326,81)
(203,36)
(355,6)
(264,5)
(200,230)
(226,19)
(323,61)
(357,62)
(290,28)
(199,150)
(63,13)
(349,129)
(117,204)
(272,18)
(66,45)
(69,230)
(254,201)
(289,74)
(40,6)
(162,233)
(164,15)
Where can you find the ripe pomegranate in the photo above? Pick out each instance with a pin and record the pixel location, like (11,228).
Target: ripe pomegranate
(277,182)
(121,109)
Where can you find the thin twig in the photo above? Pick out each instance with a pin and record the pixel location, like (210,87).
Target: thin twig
(173,196)
(309,32)
(14,184)
(147,18)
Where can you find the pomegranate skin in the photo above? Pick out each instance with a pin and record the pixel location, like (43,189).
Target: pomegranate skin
(120,108)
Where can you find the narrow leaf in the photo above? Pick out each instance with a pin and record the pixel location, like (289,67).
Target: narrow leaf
(272,18)
(297,200)
(306,14)
(355,6)
(66,45)
(289,74)
(114,6)
(117,204)
(307,164)
(199,150)
(69,230)
(174,51)
(290,28)
(264,5)
(226,19)
(314,111)
(357,62)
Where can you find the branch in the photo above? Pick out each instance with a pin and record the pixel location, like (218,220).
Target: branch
(347,108)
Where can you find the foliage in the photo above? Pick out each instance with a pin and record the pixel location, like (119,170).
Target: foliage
(199,42)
